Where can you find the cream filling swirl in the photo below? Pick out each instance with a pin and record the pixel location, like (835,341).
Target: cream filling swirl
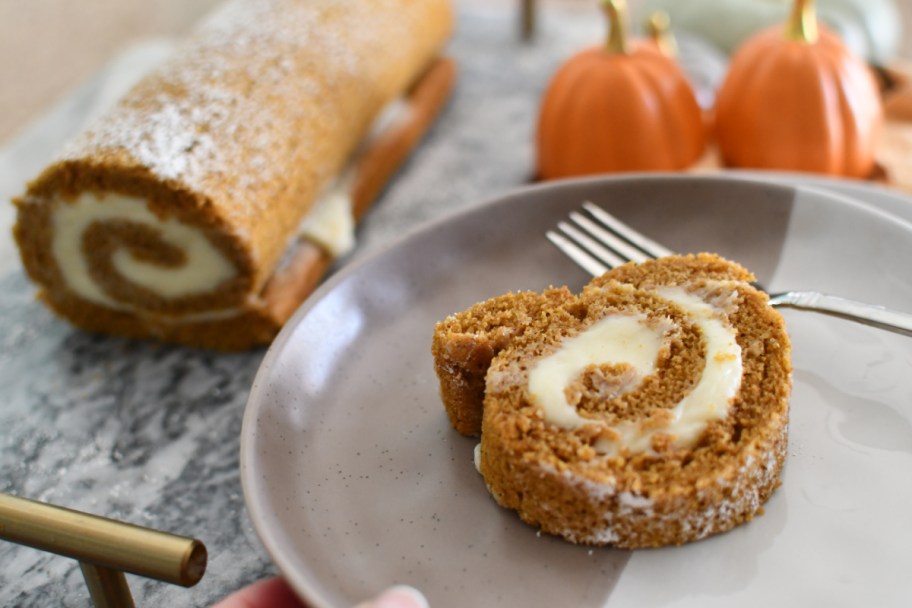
(331,222)
(205,266)
(628,338)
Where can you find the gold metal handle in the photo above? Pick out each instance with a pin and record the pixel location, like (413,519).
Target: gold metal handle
(105,548)
(107,587)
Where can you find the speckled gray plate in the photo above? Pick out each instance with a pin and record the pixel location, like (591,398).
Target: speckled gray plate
(355,481)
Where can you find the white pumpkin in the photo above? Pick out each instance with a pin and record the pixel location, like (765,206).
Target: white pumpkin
(871,28)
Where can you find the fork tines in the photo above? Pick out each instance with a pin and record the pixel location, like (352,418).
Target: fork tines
(598,241)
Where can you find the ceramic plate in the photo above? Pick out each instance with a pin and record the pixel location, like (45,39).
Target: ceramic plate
(355,481)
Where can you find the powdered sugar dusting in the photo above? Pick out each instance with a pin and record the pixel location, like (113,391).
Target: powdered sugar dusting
(247,109)
(634,511)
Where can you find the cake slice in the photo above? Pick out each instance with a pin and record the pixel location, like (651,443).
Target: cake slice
(651,409)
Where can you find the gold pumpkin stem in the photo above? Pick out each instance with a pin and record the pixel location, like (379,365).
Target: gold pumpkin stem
(802,22)
(659,27)
(616,11)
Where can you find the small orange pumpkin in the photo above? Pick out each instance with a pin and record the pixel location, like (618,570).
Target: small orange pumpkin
(799,100)
(618,107)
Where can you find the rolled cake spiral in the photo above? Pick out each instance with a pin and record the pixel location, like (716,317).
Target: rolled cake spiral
(172,213)
(652,409)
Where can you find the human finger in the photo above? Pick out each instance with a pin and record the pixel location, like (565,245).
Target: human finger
(268,593)
(400,596)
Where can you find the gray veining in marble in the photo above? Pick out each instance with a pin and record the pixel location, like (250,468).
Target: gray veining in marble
(149,433)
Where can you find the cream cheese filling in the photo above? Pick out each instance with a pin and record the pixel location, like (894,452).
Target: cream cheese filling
(619,338)
(629,338)
(331,222)
(205,267)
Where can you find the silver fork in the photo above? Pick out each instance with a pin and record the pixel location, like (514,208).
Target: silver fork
(597,241)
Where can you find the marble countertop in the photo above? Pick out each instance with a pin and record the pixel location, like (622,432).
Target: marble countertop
(148,433)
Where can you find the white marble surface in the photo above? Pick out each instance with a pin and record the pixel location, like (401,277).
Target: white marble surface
(149,433)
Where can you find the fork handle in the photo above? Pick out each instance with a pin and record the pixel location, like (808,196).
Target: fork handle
(868,314)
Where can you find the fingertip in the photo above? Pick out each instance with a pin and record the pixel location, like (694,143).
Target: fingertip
(398,596)
(269,593)
(407,596)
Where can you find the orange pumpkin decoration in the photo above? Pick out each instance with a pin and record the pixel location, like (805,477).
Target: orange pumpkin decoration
(618,107)
(799,100)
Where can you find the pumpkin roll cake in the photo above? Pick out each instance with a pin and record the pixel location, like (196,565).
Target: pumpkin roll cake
(651,409)
(179,214)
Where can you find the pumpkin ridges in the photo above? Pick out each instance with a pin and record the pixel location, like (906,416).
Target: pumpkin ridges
(560,102)
(573,160)
(752,110)
(836,146)
(681,120)
(574,74)
(871,107)
(643,154)
(543,133)
(865,115)
(727,109)
(617,102)
(846,157)
(736,113)
(597,125)
(774,113)
(685,113)
(550,105)
(555,104)
(611,102)
(853,161)
(604,112)
(823,143)
(842,142)
(640,102)
(816,135)
(660,88)
(622,104)
(770,123)
(824,121)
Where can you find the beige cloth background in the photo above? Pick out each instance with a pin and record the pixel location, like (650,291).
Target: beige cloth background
(49,47)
